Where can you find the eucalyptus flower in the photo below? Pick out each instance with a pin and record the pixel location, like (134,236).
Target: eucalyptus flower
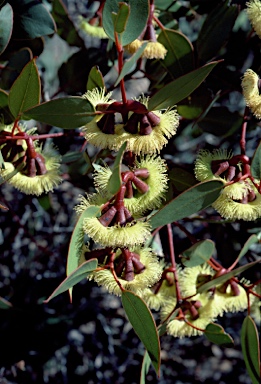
(192,277)
(156,297)
(92,30)
(146,132)
(232,209)
(153,50)
(147,277)
(250,87)
(198,312)
(226,297)
(203,164)
(237,201)
(253,11)
(44,179)
(96,137)
(130,235)
(98,96)
(153,142)
(91,199)
(93,133)
(156,182)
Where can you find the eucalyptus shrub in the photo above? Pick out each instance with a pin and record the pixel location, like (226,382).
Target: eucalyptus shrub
(194,58)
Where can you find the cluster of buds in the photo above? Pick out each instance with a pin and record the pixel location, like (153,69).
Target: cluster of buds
(193,311)
(145,132)
(239,198)
(34,170)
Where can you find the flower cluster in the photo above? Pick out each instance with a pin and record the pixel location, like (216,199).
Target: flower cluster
(239,199)
(191,315)
(145,132)
(27,166)
(121,230)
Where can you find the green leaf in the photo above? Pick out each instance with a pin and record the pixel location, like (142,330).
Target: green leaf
(179,59)
(215,31)
(216,334)
(253,239)
(5,112)
(95,79)
(31,19)
(198,253)
(45,202)
(72,156)
(114,182)
(12,173)
(128,65)
(25,92)
(65,26)
(121,17)
(4,304)
(66,112)
(251,349)
(180,88)
(6,26)
(181,179)
(137,20)
(256,163)
(14,66)
(74,278)
(191,201)
(145,368)
(76,242)
(143,324)
(221,122)
(222,279)
(196,105)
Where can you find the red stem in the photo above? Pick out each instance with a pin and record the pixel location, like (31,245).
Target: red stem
(160,25)
(243,132)
(173,262)
(16,126)
(41,137)
(120,66)
(111,264)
